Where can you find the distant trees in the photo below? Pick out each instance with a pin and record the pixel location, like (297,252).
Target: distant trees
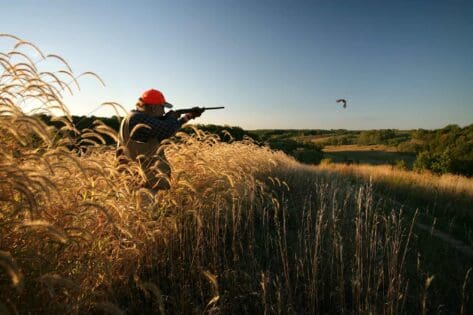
(340,140)
(374,136)
(265,134)
(446,150)
(409,146)
(390,137)
(449,149)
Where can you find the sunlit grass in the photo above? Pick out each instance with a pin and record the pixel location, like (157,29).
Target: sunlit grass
(448,183)
(243,229)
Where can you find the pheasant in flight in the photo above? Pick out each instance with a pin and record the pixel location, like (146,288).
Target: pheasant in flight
(343,101)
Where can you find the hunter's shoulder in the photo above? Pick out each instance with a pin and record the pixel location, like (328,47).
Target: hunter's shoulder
(135,115)
(140,117)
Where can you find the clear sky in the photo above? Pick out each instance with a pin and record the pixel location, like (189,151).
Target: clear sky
(272,64)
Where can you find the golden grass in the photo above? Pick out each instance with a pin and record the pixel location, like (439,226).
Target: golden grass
(448,183)
(243,229)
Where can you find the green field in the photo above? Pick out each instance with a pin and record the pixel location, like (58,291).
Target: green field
(375,155)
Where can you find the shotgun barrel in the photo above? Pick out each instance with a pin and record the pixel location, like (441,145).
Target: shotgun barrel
(195,109)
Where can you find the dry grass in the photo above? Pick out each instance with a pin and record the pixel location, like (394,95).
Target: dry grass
(242,230)
(451,184)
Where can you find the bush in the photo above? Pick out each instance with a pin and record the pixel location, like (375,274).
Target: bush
(409,146)
(309,156)
(305,152)
(438,163)
(400,165)
(449,149)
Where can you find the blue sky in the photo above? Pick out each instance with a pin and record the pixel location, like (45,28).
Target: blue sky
(273,64)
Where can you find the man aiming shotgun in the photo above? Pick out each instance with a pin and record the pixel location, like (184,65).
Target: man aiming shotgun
(142,131)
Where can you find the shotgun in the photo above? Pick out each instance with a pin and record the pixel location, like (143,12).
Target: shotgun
(199,110)
(196,109)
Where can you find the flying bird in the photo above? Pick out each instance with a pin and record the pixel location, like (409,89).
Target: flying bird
(344,101)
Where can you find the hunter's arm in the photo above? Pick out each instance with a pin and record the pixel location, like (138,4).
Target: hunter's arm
(160,128)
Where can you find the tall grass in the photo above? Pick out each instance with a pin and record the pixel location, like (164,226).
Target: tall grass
(448,183)
(242,230)
(444,200)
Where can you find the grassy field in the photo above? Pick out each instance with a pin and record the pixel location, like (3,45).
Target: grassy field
(243,229)
(359,148)
(442,200)
(368,154)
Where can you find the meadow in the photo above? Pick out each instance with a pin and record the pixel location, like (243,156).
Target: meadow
(368,154)
(243,230)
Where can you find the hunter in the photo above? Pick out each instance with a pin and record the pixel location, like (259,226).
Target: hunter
(141,133)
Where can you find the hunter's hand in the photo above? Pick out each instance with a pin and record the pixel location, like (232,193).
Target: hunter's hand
(173,114)
(196,112)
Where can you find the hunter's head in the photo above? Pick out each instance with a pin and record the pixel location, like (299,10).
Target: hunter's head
(152,102)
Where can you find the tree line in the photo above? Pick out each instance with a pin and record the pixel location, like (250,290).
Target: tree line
(305,152)
(445,150)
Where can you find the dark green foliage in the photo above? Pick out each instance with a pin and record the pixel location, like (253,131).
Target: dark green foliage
(384,136)
(285,145)
(86,122)
(305,152)
(436,162)
(346,139)
(83,122)
(308,155)
(266,134)
(449,149)
(409,146)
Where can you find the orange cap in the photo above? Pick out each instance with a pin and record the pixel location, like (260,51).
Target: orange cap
(154,97)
